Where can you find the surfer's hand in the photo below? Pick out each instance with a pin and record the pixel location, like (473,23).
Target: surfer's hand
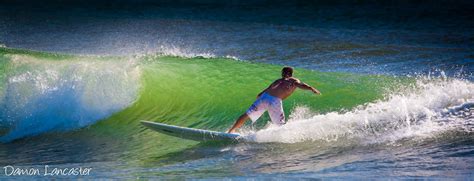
(316,91)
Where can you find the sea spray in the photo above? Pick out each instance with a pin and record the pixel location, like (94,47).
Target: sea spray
(43,95)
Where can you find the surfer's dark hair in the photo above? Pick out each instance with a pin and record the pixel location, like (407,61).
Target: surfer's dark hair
(287,70)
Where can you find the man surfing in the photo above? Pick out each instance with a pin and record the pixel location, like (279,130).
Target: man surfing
(270,99)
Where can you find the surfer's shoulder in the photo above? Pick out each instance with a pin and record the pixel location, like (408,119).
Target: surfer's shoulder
(295,80)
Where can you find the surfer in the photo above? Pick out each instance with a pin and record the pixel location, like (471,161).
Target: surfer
(270,99)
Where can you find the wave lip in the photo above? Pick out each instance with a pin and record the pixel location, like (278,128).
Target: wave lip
(43,95)
(427,110)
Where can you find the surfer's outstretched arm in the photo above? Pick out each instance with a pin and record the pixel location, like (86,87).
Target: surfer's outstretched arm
(305,86)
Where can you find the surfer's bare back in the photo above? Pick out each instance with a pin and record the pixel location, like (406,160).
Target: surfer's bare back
(270,99)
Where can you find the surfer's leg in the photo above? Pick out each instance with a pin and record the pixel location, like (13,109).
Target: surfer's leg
(254,112)
(239,122)
(275,110)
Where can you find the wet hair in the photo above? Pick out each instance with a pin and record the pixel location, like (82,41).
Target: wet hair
(287,70)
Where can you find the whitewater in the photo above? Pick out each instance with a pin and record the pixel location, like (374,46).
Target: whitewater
(436,107)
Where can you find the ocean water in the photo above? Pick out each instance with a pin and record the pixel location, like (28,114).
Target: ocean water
(397,84)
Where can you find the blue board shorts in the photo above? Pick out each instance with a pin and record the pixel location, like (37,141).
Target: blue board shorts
(269,103)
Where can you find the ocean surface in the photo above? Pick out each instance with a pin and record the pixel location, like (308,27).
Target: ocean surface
(396,80)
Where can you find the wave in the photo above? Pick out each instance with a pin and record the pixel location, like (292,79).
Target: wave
(49,93)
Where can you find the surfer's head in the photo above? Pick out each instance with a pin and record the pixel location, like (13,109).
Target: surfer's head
(287,72)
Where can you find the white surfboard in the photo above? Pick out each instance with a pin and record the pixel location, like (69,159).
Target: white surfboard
(191,133)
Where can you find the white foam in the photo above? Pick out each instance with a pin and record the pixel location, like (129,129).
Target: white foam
(47,96)
(415,113)
(171,50)
(179,51)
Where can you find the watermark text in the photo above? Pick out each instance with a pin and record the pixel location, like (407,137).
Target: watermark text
(47,170)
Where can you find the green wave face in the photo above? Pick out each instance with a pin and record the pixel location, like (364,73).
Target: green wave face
(211,93)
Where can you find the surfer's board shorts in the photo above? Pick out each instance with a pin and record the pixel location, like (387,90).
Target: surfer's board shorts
(269,103)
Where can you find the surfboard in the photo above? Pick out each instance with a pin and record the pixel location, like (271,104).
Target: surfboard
(191,133)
